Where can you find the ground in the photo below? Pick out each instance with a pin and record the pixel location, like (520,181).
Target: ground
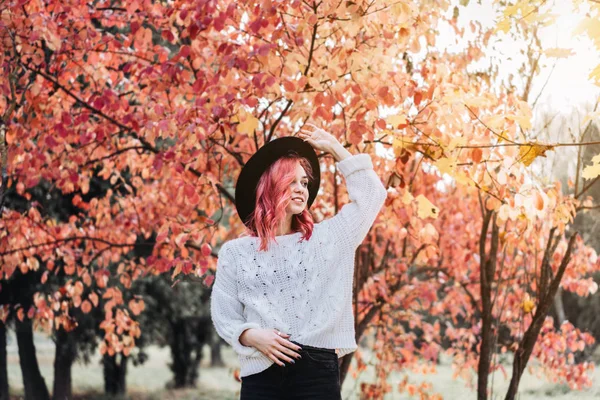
(147,382)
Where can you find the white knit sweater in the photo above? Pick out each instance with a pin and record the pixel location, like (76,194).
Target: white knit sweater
(303,288)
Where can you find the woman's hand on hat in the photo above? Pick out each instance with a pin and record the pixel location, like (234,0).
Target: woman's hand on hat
(271,343)
(318,138)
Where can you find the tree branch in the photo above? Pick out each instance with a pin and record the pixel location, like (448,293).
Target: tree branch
(65,240)
(530,337)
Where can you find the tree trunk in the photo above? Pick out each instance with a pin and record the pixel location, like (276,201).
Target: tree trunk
(188,336)
(115,374)
(3,364)
(216,359)
(180,353)
(559,306)
(485,356)
(35,386)
(63,361)
(487,271)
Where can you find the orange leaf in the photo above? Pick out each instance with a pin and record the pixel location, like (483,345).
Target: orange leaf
(476,155)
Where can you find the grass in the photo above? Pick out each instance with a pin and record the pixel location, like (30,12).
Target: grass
(148,381)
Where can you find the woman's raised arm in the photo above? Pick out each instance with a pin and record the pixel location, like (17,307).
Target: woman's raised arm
(365,190)
(367,195)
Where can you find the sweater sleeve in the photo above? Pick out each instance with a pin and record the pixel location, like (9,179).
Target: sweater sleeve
(367,194)
(225,308)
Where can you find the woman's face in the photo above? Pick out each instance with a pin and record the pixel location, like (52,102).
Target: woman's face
(298,192)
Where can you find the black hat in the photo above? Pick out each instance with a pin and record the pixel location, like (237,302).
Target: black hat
(245,189)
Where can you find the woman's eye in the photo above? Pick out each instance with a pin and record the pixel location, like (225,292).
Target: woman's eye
(305,184)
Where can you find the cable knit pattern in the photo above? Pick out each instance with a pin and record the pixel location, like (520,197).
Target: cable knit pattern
(303,288)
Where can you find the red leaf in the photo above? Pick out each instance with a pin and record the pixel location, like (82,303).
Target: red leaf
(184,52)
(134,26)
(205,249)
(50,141)
(189,190)
(187,267)
(264,50)
(194,30)
(168,35)
(219,23)
(208,281)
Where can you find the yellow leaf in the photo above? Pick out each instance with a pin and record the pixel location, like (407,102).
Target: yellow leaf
(396,120)
(592,171)
(399,143)
(503,25)
(476,101)
(407,198)
(527,11)
(445,165)
(453,97)
(512,10)
(426,209)
(402,12)
(463,179)
(457,141)
(527,304)
(523,121)
(591,27)
(546,18)
(595,75)
(502,136)
(529,152)
(248,125)
(549,19)
(495,121)
(433,152)
(557,52)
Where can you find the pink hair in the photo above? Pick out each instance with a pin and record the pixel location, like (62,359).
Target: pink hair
(272,197)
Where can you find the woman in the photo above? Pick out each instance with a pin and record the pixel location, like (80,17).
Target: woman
(282,296)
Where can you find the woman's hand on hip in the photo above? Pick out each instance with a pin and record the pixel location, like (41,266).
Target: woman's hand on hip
(277,347)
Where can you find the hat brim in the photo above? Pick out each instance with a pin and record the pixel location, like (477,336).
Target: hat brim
(245,189)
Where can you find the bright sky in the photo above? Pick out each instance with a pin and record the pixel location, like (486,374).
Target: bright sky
(569,85)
